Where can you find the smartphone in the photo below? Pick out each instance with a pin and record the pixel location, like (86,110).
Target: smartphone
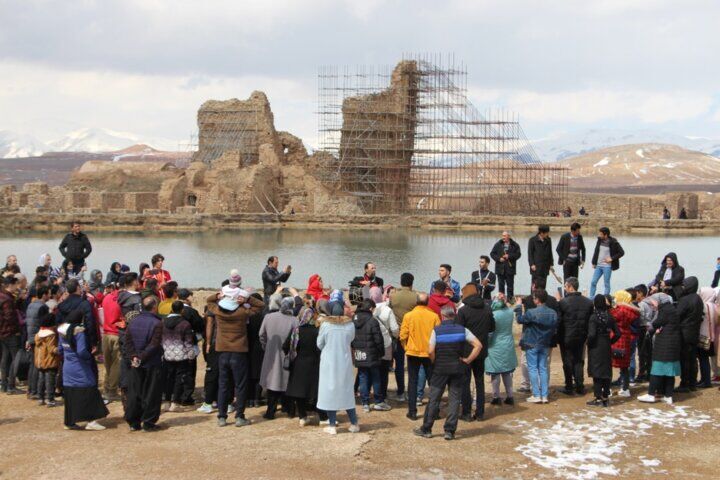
(560,291)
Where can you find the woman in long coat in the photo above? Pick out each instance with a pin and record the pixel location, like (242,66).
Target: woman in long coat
(600,349)
(667,347)
(626,316)
(501,360)
(335,389)
(273,332)
(255,355)
(301,347)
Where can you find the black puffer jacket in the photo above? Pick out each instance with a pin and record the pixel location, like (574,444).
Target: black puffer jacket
(476,315)
(575,311)
(675,282)
(690,311)
(75,247)
(368,346)
(668,339)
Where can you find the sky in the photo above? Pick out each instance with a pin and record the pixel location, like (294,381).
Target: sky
(145,66)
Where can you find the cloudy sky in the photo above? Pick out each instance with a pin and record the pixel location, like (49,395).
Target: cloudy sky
(144,66)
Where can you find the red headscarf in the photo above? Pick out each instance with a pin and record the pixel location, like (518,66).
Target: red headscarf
(315,288)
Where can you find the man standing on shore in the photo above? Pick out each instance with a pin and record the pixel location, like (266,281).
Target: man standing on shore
(76,247)
(506,253)
(271,277)
(571,252)
(606,260)
(484,279)
(540,256)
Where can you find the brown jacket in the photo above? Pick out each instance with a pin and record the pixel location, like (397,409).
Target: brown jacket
(231,327)
(402,301)
(46,350)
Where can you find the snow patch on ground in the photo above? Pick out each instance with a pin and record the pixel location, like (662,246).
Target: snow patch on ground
(602,163)
(635,175)
(639,153)
(586,444)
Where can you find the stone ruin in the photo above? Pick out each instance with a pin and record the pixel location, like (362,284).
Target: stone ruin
(242,165)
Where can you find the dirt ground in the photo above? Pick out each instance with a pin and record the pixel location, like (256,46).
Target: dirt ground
(563,439)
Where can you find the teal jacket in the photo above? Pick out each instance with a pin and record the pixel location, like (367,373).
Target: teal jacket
(501,347)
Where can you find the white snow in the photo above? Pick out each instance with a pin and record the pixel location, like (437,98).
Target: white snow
(639,153)
(643,171)
(604,161)
(586,444)
(16,145)
(635,175)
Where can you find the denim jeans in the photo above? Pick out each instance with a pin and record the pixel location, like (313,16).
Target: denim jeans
(538,371)
(332,416)
(232,367)
(604,271)
(422,380)
(366,376)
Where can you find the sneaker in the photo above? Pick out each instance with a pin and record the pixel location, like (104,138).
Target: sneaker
(496,401)
(51,403)
(72,427)
(668,400)
(174,407)
(242,422)
(544,400)
(303,422)
(14,391)
(41,403)
(231,409)
(533,400)
(135,428)
(624,393)
(401,397)
(567,391)
(222,422)
(214,404)
(330,430)
(33,396)
(382,406)
(354,428)
(94,426)
(466,417)
(205,408)
(647,398)
(166,406)
(106,401)
(524,390)
(366,408)
(412,416)
(449,436)
(422,433)
(595,402)
(418,402)
(509,401)
(478,418)
(150,427)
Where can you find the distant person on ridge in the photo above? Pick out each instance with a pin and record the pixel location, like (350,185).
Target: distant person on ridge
(683,214)
(506,253)
(666,214)
(76,247)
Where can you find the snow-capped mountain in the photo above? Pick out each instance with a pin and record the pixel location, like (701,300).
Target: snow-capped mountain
(571,144)
(94,140)
(16,145)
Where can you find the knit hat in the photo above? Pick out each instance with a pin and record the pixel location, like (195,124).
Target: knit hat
(235,279)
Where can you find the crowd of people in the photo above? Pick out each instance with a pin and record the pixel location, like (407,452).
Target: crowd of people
(324,351)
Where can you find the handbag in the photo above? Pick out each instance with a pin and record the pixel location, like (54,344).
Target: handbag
(524,346)
(704,342)
(618,353)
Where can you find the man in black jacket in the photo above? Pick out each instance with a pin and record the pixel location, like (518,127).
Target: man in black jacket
(484,279)
(571,252)
(575,311)
(475,315)
(76,247)
(540,256)
(606,260)
(271,277)
(506,253)
(690,310)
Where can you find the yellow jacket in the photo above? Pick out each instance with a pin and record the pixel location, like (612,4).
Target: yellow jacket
(417,326)
(165,307)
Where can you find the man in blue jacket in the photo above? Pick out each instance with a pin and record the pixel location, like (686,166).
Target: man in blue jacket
(539,329)
(454,291)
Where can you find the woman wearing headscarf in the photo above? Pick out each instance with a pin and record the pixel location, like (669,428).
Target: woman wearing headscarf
(389,329)
(666,349)
(600,342)
(304,357)
(96,283)
(501,360)
(626,317)
(46,261)
(113,274)
(274,331)
(670,277)
(335,388)
(708,341)
(82,399)
(316,288)
(336,304)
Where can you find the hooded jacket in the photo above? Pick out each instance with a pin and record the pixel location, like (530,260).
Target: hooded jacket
(690,310)
(47,353)
(177,339)
(75,247)
(675,282)
(76,302)
(368,345)
(78,364)
(129,301)
(476,315)
(668,338)
(113,318)
(230,326)
(436,301)
(574,317)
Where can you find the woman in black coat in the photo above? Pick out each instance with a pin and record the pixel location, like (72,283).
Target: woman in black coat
(667,347)
(301,348)
(672,285)
(600,349)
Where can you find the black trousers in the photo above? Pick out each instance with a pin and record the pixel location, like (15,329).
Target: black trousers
(212,377)
(175,376)
(233,371)
(475,369)
(570,269)
(661,385)
(573,362)
(539,277)
(287,404)
(644,353)
(414,364)
(144,397)
(601,388)
(506,285)
(438,382)
(189,389)
(688,365)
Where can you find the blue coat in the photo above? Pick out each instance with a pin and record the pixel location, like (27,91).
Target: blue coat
(540,324)
(456,288)
(78,364)
(337,376)
(501,347)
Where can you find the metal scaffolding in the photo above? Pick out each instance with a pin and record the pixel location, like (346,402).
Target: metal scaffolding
(410,141)
(227,129)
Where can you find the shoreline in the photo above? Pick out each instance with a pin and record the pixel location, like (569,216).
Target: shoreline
(35,221)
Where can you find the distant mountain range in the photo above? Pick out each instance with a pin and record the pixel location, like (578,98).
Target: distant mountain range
(91,140)
(563,146)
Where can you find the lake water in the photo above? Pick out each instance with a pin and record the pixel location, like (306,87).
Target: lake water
(204,259)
